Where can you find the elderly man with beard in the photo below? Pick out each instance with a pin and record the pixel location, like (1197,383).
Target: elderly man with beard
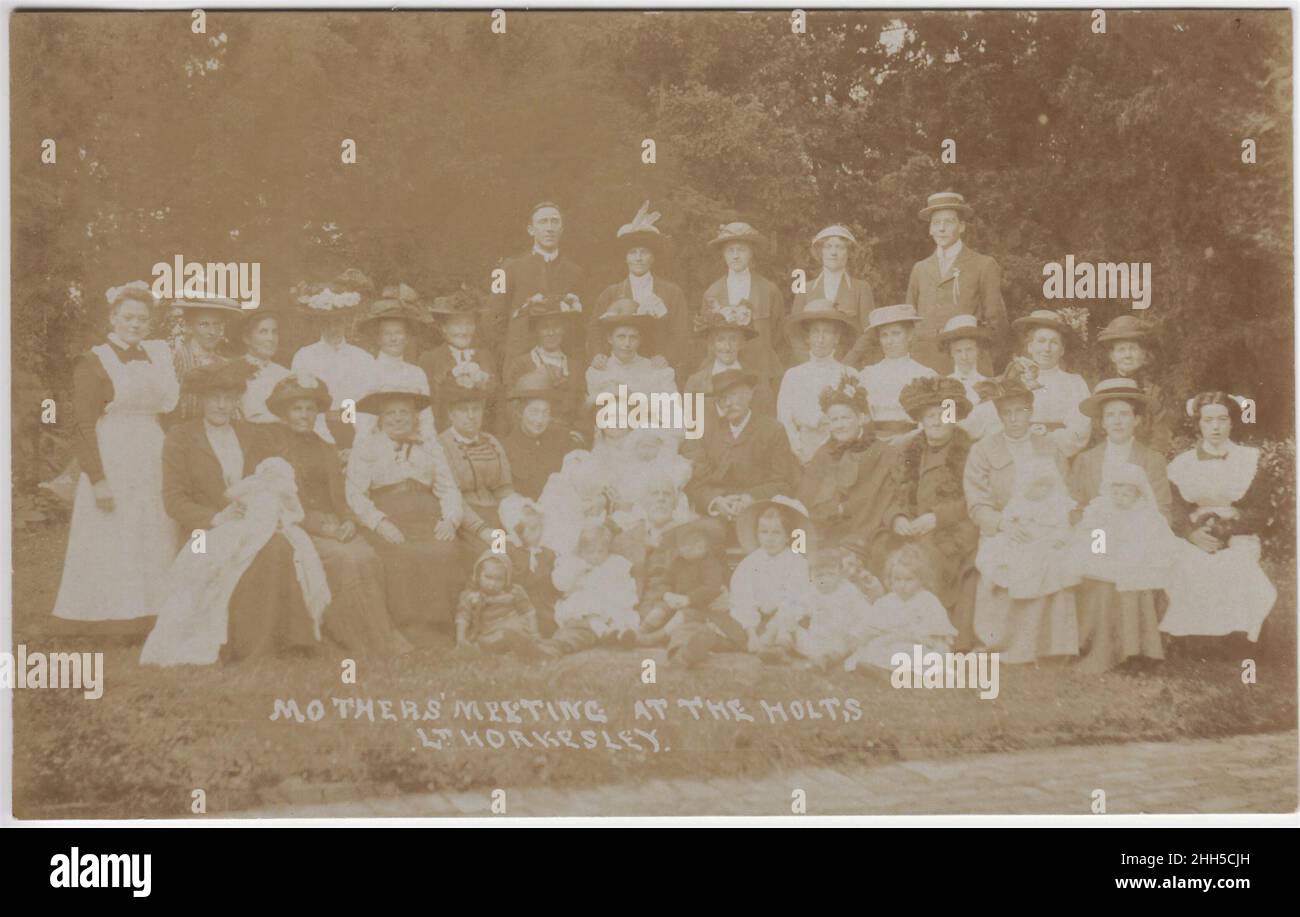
(743,457)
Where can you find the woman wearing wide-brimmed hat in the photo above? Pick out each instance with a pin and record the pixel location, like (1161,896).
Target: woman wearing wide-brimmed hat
(1115,625)
(819,329)
(1046,337)
(205,319)
(538,440)
(252,596)
(850,485)
(642,245)
(1128,344)
(725,332)
(738,243)
(121,541)
(347,370)
(1219,591)
(259,333)
(964,340)
(552,322)
(626,327)
(954,279)
(832,247)
(931,508)
(1032,627)
(356,618)
(462,354)
(401,489)
(393,322)
(478,462)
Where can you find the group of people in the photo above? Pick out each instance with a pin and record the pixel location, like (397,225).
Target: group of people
(865,481)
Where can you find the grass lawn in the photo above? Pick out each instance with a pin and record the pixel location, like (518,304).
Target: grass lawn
(156,735)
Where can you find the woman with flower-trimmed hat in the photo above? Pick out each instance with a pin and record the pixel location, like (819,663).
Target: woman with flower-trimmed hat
(356,618)
(850,485)
(205,319)
(1128,344)
(1021,629)
(642,244)
(121,541)
(819,328)
(737,243)
(402,491)
(726,330)
(893,327)
(931,507)
(851,295)
(346,370)
(1045,337)
(552,322)
(1117,624)
(393,321)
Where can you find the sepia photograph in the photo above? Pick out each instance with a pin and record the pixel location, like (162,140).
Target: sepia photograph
(613,413)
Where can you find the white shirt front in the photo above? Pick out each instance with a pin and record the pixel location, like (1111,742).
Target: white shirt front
(831,283)
(548,257)
(737,429)
(642,288)
(947,257)
(884,382)
(346,370)
(738,286)
(225,444)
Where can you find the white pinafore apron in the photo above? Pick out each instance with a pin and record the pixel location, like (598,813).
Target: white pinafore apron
(116,565)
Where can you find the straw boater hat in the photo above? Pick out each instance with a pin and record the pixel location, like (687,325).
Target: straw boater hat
(202,303)
(536,385)
(1125,328)
(230,376)
(730,378)
(739,317)
(836,231)
(738,232)
(642,231)
(627,312)
(374,402)
(399,302)
(295,387)
(340,297)
(892,315)
(946,200)
(932,391)
(796,326)
(1120,389)
(792,512)
(963,327)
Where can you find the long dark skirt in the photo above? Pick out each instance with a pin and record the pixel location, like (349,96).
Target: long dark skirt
(1114,625)
(420,575)
(357,617)
(267,612)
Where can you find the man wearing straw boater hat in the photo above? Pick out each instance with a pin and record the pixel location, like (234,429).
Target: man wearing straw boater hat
(543,270)
(952,280)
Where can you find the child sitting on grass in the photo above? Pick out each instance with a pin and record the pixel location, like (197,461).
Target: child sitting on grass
(599,603)
(761,581)
(907,616)
(686,596)
(829,616)
(533,563)
(493,614)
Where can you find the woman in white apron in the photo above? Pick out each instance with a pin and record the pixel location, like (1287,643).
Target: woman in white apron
(122,541)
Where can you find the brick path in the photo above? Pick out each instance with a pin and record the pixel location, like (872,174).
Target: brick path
(1233,775)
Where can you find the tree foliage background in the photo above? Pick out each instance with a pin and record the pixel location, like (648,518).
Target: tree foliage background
(225,146)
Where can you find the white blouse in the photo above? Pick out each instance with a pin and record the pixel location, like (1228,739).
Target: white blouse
(381,462)
(884,382)
(395,374)
(346,370)
(253,405)
(1057,400)
(639,375)
(798,406)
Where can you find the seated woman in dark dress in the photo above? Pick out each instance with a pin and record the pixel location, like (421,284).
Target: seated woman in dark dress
(357,617)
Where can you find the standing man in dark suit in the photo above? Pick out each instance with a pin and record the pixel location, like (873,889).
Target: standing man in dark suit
(954,280)
(542,270)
